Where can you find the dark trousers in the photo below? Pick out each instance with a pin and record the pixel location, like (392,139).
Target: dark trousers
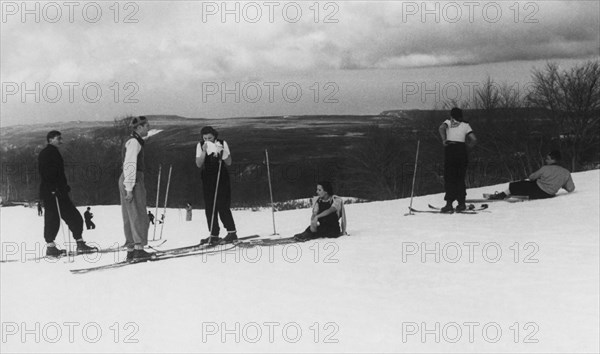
(455,170)
(89,224)
(222,210)
(69,214)
(528,188)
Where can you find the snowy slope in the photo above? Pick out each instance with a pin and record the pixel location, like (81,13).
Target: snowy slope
(369,292)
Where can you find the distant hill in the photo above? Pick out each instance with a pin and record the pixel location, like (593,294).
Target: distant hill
(302,151)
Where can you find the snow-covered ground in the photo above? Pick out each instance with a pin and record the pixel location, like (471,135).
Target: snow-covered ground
(522,277)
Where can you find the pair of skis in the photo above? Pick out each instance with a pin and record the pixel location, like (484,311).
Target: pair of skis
(188,251)
(509,199)
(196,250)
(471,210)
(69,254)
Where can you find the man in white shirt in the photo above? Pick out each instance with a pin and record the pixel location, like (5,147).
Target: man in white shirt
(133,192)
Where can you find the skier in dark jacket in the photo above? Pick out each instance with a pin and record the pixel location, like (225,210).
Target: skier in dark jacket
(150,218)
(456,136)
(88,215)
(209,152)
(55,190)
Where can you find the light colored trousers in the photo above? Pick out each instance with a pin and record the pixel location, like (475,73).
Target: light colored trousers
(135,217)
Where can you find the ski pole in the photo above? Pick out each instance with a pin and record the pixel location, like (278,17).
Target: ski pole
(166,197)
(157,195)
(212,218)
(67,242)
(271,192)
(412,192)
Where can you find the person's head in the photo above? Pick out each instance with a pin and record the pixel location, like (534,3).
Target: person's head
(456,114)
(324,189)
(54,138)
(140,125)
(553,157)
(209,134)
(88,208)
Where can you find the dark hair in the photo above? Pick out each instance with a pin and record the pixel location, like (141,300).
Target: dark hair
(51,135)
(209,130)
(327,187)
(137,121)
(456,113)
(555,155)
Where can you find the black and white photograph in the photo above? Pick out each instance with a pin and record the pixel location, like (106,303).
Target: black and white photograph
(305,176)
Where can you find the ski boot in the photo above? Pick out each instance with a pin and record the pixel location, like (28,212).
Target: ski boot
(448,209)
(230,238)
(461,207)
(304,236)
(498,196)
(55,252)
(129,257)
(211,241)
(83,248)
(141,256)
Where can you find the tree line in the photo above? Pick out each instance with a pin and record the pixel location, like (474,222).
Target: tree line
(515,130)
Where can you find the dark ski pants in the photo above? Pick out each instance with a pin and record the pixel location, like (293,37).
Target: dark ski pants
(69,214)
(528,188)
(89,224)
(455,170)
(222,210)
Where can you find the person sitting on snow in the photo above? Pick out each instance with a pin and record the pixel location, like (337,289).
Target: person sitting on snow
(327,210)
(543,183)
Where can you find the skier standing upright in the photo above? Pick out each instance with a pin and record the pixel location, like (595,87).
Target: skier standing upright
(55,190)
(132,191)
(88,215)
(209,152)
(456,136)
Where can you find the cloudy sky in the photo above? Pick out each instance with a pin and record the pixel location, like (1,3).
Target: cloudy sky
(97,60)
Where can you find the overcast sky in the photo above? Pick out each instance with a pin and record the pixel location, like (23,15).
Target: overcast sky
(198,59)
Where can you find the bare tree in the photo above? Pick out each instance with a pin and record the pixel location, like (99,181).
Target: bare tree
(572,99)
(377,170)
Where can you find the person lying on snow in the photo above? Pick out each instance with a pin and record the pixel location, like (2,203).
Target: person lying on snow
(543,183)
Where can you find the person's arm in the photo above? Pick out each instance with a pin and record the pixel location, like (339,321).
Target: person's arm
(132,149)
(471,140)
(335,206)
(200,155)
(569,186)
(442,129)
(536,175)
(331,210)
(226,154)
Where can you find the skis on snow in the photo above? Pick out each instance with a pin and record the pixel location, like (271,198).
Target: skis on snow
(510,199)
(471,209)
(170,254)
(70,254)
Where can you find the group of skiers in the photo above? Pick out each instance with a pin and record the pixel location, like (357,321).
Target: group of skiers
(458,137)
(212,158)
